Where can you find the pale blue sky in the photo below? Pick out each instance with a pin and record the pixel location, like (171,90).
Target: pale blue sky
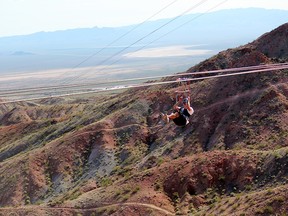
(18,17)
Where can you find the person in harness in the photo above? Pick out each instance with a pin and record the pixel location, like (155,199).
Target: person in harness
(181,114)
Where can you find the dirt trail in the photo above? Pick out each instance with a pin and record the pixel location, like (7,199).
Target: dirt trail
(151,206)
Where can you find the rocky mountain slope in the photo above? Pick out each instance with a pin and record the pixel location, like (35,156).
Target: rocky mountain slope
(110,155)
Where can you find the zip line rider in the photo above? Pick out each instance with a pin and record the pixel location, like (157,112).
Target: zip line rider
(181,114)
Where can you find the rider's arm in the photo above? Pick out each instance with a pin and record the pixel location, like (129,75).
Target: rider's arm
(176,107)
(188,107)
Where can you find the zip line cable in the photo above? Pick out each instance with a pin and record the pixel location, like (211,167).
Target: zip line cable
(148,84)
(28,90)
(119,38)
(140,39)
(165,34)
(19,91)
(135,79)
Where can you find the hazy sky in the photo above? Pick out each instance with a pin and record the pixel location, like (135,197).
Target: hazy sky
(19,17)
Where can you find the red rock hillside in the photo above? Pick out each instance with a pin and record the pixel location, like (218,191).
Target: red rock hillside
(111,154)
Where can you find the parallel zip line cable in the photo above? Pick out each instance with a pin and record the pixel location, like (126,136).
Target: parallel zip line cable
(169,32)
(140,39)
(119,38)
(27,90)
(4,93)
(150,84)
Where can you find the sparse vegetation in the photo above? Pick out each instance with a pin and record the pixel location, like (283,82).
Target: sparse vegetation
(105,182)
(110,152)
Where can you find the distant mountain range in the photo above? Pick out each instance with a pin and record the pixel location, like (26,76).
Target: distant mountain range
(213,31)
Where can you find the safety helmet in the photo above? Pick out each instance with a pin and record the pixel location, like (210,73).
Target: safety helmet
(185,100)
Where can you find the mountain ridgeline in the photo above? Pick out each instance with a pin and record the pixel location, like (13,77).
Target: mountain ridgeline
(110,154)
(191,33)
